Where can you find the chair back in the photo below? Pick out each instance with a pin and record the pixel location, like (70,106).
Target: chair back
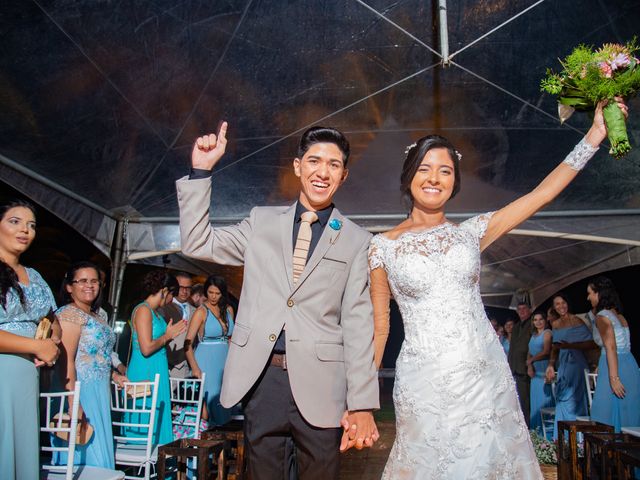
(56,421)
(591,379)
(138,399)
(187,392)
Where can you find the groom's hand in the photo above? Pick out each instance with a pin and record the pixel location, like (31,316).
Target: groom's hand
(209,149)
(359,430)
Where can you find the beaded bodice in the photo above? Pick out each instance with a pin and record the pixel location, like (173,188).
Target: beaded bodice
(93,356)
(21,320)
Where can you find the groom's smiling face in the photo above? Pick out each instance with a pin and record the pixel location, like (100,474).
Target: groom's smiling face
(321,171)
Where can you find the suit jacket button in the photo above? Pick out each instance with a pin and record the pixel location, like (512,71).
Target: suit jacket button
(272,337)
(290,303)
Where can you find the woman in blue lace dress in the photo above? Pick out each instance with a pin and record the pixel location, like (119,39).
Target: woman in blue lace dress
(88,342)
(570,337)
(24,299)
(537,361)
(615,401)
(214,330)
(148,354)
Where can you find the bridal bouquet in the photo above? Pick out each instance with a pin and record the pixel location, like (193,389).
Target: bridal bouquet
(589,76)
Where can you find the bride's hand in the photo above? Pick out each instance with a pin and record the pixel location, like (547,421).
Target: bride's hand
(359,430)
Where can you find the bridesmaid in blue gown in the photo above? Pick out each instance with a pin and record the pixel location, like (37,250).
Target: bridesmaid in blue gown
(537,361)
(24,299)
(148,354)
(570,337)
(214,331)
(615,401)
(88,342)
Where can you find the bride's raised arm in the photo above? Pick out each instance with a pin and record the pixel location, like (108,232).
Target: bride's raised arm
(509,217)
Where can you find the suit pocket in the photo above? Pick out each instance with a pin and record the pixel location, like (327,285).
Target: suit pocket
(330,352)
(240,334)
(332,264)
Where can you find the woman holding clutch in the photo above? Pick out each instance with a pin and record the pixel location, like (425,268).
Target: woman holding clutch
(24,299)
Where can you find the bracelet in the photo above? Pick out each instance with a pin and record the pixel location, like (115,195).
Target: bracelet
(580,155)
(614,378)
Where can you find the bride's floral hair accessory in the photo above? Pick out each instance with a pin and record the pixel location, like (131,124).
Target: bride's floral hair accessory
(409,147)
(414,144)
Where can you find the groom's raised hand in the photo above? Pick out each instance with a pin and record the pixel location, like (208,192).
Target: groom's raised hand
(209,149)
(359,430)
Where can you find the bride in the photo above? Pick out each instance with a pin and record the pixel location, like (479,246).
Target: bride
(457,414)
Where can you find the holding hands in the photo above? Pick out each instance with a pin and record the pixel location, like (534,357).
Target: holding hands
(46,351)
(209,149)
(359,430)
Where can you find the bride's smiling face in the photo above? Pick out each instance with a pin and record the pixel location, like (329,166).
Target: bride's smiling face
(432,185)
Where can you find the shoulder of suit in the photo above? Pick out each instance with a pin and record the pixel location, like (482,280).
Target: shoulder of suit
(263,210)
(356,231)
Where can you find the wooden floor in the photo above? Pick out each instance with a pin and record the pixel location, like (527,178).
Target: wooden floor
(368,463)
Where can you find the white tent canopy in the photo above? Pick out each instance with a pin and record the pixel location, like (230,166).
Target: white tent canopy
(101,102)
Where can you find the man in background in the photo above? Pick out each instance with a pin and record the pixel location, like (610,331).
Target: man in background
(518,349)
(179,309)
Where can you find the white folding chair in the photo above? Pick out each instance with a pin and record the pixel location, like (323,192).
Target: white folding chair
(548,414)
(56,420)
(139,399)
(187,392)
(591,379)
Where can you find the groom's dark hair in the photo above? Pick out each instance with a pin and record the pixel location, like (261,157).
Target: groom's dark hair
(324,135)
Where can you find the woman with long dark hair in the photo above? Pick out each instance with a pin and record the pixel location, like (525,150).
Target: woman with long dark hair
(24,299)
(615,401)
(148,354)
(88,341)
(570,338)
(541,395)
(457,411)
(213,323)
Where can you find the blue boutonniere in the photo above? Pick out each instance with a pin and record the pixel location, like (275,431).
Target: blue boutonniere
(335,224)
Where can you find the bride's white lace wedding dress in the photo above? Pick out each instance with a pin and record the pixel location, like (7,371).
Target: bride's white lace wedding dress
(457,413)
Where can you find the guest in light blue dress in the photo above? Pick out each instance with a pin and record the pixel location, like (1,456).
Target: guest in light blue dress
(505,340)
(570,337)
(214,331)
(537,362)
(24,299)
(616,400)
(88,341)
(148,354)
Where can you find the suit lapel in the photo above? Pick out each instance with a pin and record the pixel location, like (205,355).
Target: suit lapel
(328,238)
(286,235)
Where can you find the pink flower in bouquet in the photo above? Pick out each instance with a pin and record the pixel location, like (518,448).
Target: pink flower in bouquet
(621,60)
(606,69)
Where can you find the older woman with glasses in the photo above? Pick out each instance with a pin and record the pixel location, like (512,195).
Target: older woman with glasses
(88,342)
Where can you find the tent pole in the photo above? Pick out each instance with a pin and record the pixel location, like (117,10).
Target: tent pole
(444,32)
(119,264)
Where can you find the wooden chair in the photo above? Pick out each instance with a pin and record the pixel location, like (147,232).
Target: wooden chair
(570,467)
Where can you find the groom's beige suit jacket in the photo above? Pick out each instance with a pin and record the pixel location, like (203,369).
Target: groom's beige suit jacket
(328,314)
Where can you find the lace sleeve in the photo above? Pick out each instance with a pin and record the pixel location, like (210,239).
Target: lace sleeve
(478,224)
(72,315)
(376,259)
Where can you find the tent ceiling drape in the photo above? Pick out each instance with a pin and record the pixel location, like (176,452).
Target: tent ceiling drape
(101,100)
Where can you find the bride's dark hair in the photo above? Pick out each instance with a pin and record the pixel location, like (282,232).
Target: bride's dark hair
(8,276)
(416,153)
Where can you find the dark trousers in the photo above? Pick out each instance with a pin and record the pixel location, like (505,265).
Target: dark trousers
(523,387)
(272,419)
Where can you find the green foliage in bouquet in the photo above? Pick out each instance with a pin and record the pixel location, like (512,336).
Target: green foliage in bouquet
(546,451)
(590,76)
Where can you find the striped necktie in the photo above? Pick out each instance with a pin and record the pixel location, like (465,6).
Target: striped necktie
(301,251)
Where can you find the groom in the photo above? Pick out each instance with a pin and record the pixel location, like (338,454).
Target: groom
(301,354)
